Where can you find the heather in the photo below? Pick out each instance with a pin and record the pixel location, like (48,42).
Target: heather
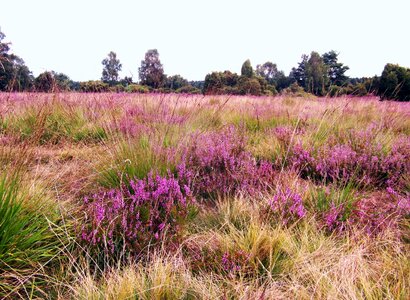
(153,196)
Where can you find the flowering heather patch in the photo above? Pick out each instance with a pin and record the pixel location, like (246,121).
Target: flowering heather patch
(302,160)
(375,213)
(364,165)
(135,216)
(219,164)
(287,206)
(336,218)
(381,211)
(285,134)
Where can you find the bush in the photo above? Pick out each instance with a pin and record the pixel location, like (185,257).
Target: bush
(249,86)
(188,89)
(119,88)
(94,86)
(217,163)
(294,90)
(336,91)
(136,88)
(135,216)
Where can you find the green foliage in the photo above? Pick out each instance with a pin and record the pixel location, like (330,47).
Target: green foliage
(316,75)
(151,72)
(14,74)
(118,88)
(247,69)
(45,82)
(249,86)
(111,68)
(395,83)
(175,82)
(188,89)
(214,83)
(273,76)
(134,159)
(94,86)
(62,81)
(55,125)
(136,88)
(295,90)
(29,240)
(336,70)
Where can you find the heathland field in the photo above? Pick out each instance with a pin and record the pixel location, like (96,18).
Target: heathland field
(152,196)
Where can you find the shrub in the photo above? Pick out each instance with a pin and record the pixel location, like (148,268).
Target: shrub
(359,160)
(135,216)
(287,206)
(118,88)
(136,88)
(249,86)
(188,89)
(381,211)
(217,163)
(94,86)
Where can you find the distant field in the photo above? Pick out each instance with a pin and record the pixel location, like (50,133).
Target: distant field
(153,196)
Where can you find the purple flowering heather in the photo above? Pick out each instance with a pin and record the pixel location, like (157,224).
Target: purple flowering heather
(218,163)
(288,206)
(342,163)
(136,215)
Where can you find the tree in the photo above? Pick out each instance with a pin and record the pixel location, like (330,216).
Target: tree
(62,81)
(151,72)
(14,74)
(214,84)
(316,73)
(175,82)
(336,70)
(299,74)
(112,67)
(45,82)
(395,83)
(269,71)
(247,69)
(249,86)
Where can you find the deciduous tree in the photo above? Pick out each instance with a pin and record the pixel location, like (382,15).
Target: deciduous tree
(151,72)
(112,67)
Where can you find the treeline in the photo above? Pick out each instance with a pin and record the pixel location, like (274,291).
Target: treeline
(320,75)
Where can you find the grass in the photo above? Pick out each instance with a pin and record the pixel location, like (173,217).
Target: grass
(57,149)
(31,236)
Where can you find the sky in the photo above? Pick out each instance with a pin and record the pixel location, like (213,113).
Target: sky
(196,37)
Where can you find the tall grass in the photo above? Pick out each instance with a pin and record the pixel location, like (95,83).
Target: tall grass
(31,232)
(294,213)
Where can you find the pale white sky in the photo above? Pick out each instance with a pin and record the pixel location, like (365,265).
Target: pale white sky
(196,37)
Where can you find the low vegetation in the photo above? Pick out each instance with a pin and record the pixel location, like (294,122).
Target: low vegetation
(154,196)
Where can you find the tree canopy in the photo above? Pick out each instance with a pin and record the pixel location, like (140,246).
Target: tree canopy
(112,67)
(151,71)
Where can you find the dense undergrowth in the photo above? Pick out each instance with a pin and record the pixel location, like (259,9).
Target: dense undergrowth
(115,196)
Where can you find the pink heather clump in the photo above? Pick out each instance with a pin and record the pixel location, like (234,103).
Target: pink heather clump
(219,164)
(302,160)
(288,206)
(381,211)
(397,163)
(334,218)
(338,163)
(284,134)
(374,214)
(136,215)
(363,163)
